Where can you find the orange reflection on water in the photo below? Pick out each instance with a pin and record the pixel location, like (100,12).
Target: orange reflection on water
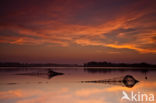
(68,88)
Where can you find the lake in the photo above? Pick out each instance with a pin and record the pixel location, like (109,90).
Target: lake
(77,85)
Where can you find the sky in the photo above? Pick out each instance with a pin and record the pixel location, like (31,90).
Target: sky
(77,31)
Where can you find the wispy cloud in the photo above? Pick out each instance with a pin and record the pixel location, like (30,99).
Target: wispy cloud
(66,23)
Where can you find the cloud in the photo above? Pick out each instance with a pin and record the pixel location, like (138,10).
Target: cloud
(57,23)
(117,46)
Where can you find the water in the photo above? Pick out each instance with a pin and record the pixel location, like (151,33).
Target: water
(76,85)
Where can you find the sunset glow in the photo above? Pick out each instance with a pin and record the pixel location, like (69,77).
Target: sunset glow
(77,31)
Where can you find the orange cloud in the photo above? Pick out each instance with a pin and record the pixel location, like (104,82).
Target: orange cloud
(61,31)
(31,41)
(86,42)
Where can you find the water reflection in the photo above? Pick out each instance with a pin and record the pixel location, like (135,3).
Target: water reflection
(109,70)
(52,73)
(128,81)
(33,85)
(49,74)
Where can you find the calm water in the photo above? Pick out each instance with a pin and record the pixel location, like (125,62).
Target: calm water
(77,85)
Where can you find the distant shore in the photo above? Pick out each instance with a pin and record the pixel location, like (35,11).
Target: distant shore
(88,64)
(109,64)
(11,64)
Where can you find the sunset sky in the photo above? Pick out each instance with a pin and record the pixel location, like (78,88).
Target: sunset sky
(77,31)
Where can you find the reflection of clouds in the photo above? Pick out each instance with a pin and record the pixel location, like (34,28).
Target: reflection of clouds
(147,85)
(18,93)
(84,95)
(91,101)
(118,88)
(36,95)
(150,84)
(94,91)
(88,92)
(62,96)
(60,100)
(48,98)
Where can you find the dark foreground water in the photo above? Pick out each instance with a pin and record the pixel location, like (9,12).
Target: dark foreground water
(77,85)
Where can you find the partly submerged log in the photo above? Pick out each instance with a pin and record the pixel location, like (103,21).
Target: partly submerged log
(48,74)
(53,73)
(128,81)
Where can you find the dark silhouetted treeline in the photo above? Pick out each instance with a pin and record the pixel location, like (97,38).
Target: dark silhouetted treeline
(109,64)
(89,64)
(12,64)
